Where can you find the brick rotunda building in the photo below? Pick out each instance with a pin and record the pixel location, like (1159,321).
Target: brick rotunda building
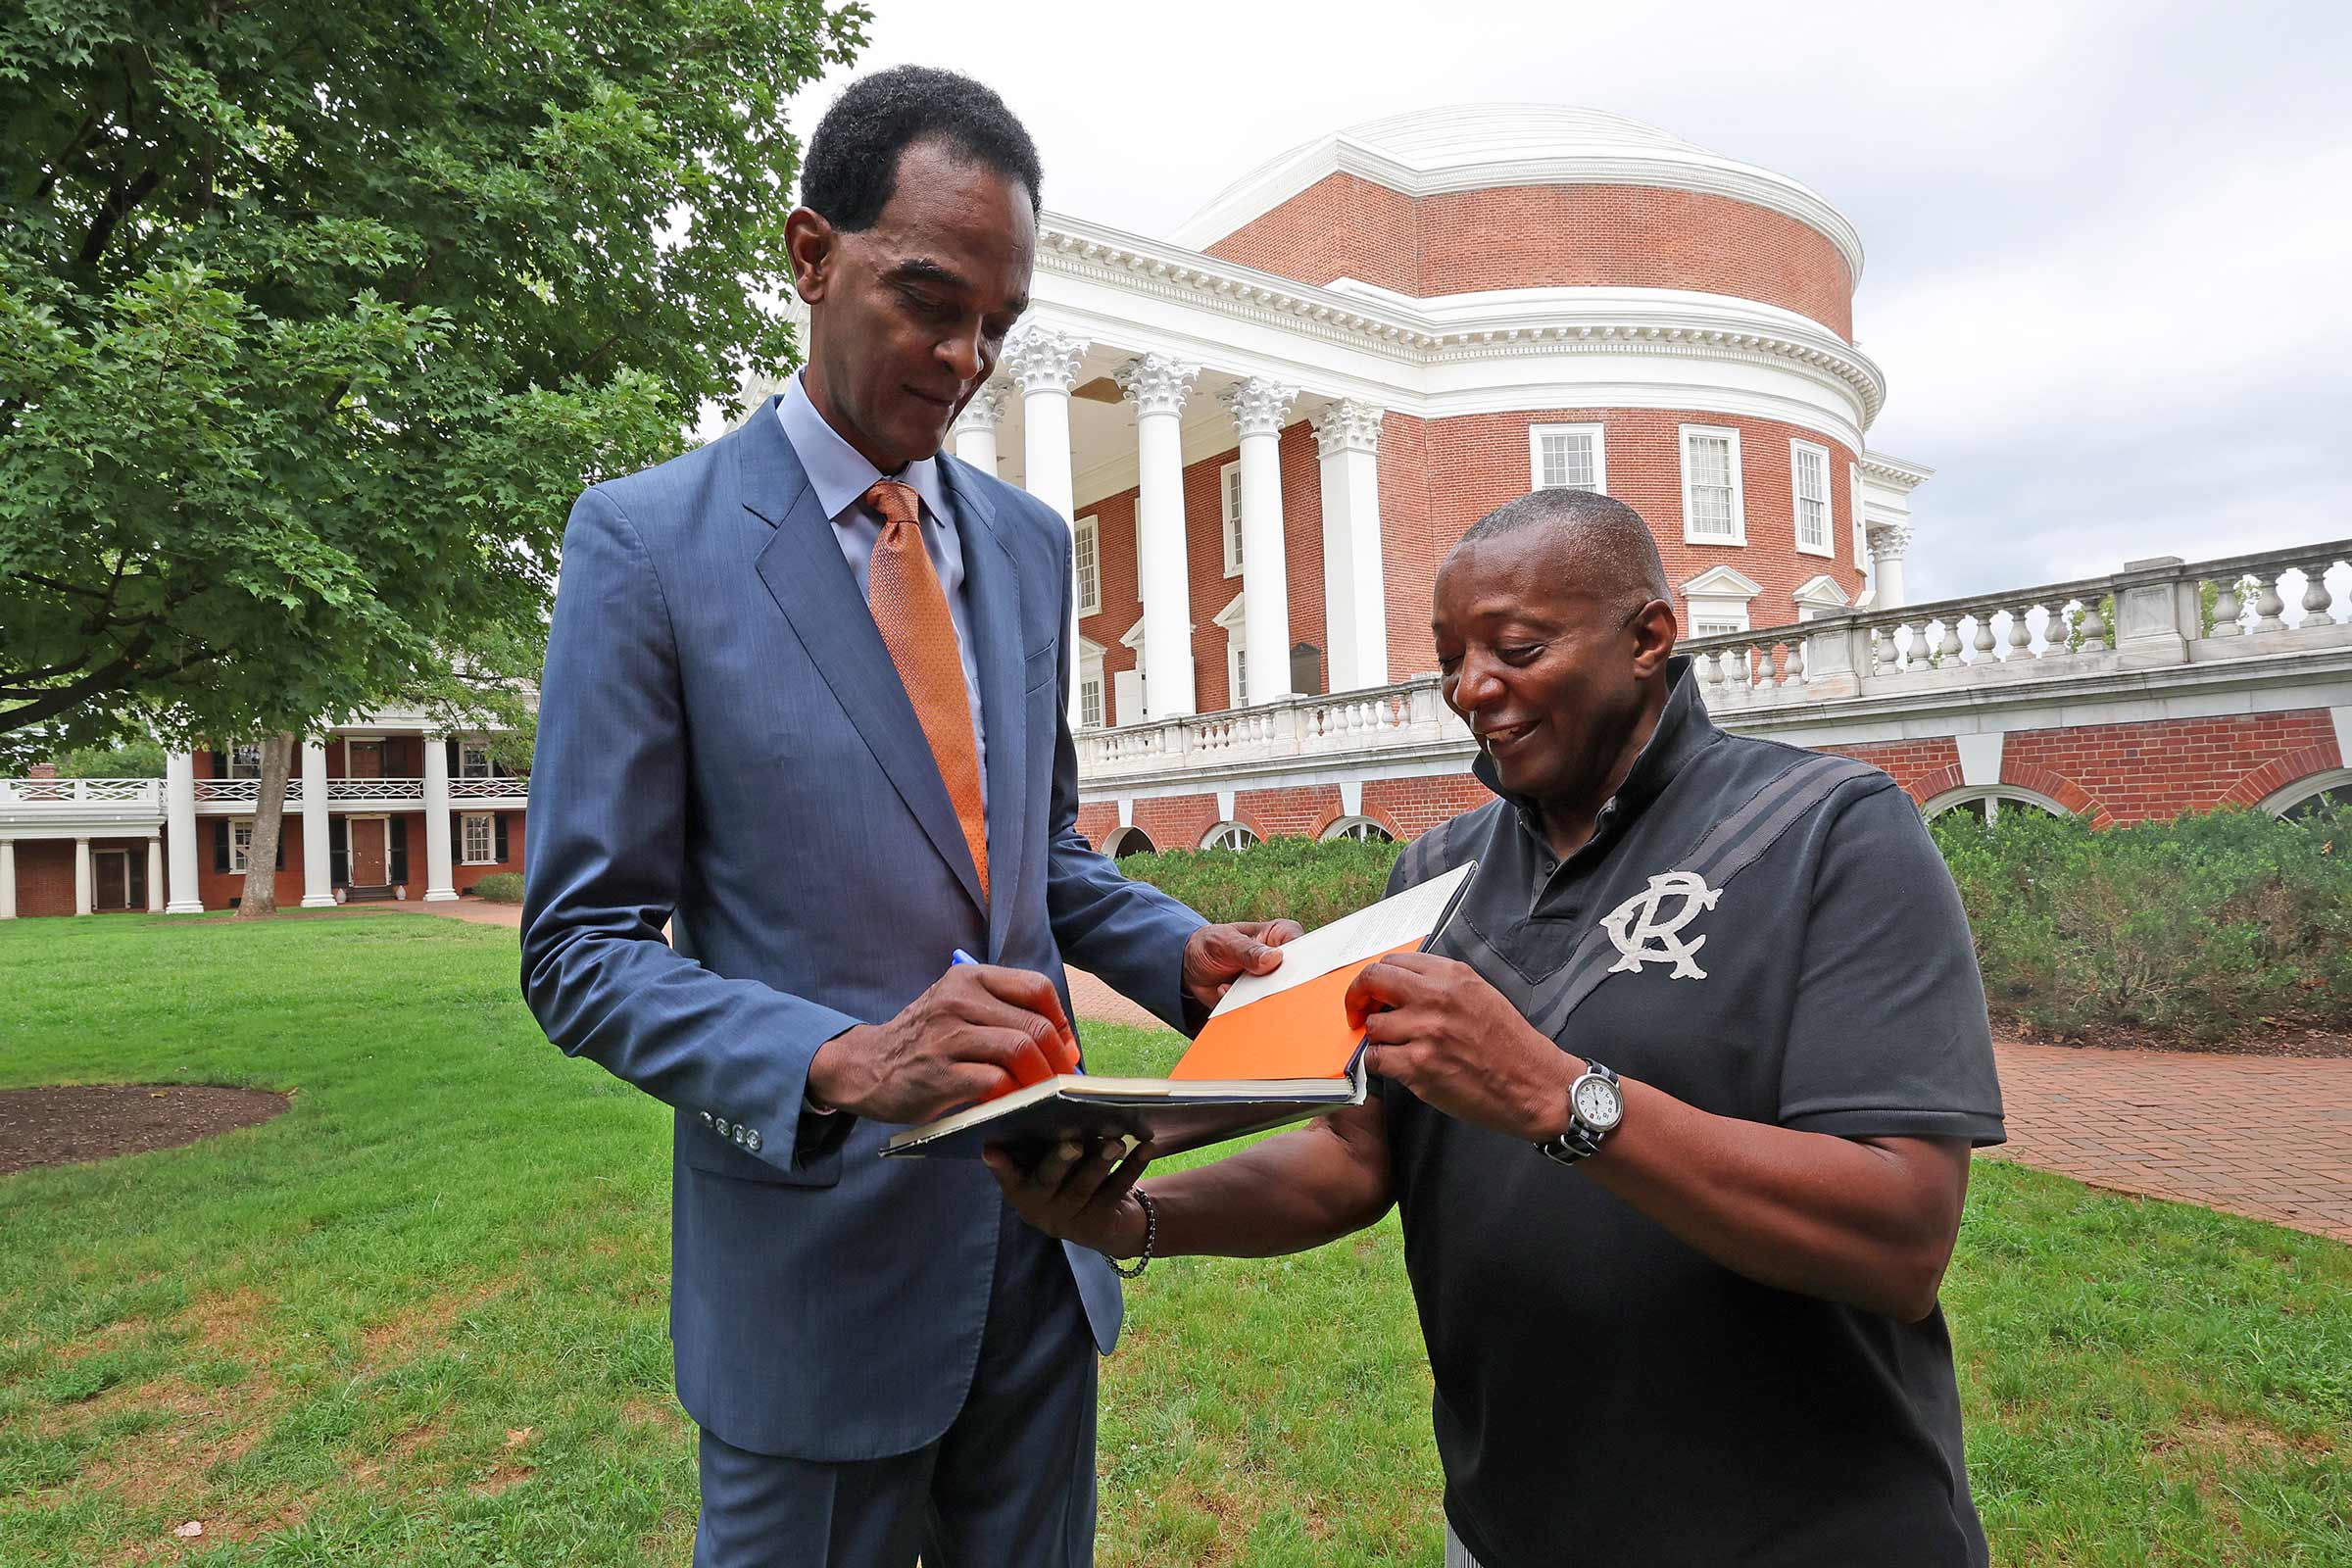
(1266,430)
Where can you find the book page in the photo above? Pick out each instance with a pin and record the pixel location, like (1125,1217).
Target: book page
(1403,921)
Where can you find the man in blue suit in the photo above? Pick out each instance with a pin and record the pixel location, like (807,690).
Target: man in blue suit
(804,702)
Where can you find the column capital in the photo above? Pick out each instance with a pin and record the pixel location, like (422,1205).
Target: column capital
(1155,384)
(984,412)
(1259,406)
(1043,359)
(1347,424)
(1888,540)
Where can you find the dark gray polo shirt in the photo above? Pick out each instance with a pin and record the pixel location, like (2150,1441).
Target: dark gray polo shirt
(1604,1394)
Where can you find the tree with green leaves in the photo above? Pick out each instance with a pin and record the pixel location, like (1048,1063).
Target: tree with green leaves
(314,319)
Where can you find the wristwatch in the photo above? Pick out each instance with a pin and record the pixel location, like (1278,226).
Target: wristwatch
(1596,1105)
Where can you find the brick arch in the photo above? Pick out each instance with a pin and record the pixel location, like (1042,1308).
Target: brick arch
(2058,787)
(1927,786)
(2279,772)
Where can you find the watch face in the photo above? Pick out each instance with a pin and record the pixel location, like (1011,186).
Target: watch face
(1598,1103)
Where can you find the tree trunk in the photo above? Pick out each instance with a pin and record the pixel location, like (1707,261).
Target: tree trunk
(269,825)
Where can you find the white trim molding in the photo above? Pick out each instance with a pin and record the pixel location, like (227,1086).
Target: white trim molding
(1994,796)
(2286,798)
(1717,601)
(1086,563)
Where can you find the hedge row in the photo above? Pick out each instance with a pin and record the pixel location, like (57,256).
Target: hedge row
(2201,928)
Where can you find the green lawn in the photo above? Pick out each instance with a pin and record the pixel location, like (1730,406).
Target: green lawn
(418,1319)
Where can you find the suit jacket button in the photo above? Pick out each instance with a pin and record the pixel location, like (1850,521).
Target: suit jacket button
(751,1139)
(706,1119)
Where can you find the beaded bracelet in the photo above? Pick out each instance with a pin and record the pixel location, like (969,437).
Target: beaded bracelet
(1143,1260)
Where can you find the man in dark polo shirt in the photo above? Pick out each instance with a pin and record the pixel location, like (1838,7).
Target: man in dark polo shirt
(1681,1308)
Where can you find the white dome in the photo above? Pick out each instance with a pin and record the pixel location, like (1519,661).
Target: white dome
(1482,146)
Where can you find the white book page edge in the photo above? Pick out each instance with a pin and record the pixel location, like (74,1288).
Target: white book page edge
(1408,917)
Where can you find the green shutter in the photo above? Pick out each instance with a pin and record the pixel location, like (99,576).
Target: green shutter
(219,843)
(498,827)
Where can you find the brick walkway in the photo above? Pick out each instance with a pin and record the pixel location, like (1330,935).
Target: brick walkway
(2269,1137)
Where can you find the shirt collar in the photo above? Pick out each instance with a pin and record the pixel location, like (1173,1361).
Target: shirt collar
(1683,729)
(838,471)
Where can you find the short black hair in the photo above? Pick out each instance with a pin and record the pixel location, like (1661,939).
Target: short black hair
(852,165)
(1615,553)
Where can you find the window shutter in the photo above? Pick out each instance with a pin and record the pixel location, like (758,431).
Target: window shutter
(281,843)
(457,761)
(219,843)
(219,764)
(338,853)
(400,849)
(498,829)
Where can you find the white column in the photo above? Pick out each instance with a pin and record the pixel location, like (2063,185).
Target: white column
(8,879)
(440,885)
(1887,542)
(318,869)
(179,825)
(82,876)
(975,432)
(155,874)
(1259,410)
(1044,363)
(1354,602)
(1158,386)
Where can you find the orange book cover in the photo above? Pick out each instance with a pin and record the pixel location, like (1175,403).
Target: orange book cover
(1300,1032)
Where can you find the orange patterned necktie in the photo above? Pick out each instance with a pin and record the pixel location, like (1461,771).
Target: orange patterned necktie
(910,610)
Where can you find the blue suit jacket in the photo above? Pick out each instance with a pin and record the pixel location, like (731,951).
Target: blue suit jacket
(724,745)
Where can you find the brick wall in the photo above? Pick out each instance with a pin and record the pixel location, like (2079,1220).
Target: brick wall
(1410,807)
(2140,772)
(1924,767)
(1539,237)
(1097,820)
(44,876)
(1292,812)
(466,877)
(1476,464)
(1177,821)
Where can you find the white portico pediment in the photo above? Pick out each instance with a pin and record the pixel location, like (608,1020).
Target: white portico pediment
(1716,601)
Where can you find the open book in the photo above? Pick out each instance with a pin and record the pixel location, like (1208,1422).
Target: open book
(1276,1049)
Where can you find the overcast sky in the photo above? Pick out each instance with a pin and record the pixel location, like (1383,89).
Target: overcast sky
(2108,247)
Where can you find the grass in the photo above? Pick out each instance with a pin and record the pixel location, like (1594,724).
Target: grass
(417,1320)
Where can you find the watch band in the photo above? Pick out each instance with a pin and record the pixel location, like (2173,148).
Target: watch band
(1580,1140)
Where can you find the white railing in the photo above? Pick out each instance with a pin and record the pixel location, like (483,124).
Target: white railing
(146,791)
(409,790)
(1387,718)
(2279,605)
(2152,614)
(489,789)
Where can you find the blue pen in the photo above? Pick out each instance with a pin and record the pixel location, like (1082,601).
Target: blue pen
(960,957)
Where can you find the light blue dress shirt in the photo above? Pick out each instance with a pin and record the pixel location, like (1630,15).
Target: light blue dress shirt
(841,476)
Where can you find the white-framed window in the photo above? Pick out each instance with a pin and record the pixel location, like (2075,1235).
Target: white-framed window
(1861,533)
(1087,552)
(473,760)
(1229,492)
(479,839)
(245,761)
(1820,596)
(1986,802)
(1092,712)
(1719,627)
(241,842)
(1129,698)
(1360,828)
(1567,456)
(1228,836)
(1237,651)
(1714,505)
(1809,485)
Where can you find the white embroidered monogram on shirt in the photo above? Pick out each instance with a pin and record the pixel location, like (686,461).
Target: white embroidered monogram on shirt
(1643,936)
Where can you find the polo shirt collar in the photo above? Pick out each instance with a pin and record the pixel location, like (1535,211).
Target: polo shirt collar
(838,471)
(1684,730)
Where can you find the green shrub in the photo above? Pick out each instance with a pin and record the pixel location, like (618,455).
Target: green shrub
(130,760)
(1299,878)
(2197,928)
(500,887)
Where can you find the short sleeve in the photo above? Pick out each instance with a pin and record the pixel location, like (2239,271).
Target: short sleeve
(1887,1036)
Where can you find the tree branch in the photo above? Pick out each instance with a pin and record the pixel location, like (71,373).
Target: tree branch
(120,202)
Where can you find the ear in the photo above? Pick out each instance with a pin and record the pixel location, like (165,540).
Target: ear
(1653,631)
(813,247)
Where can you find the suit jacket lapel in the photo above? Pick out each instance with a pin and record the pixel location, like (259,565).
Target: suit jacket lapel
(992,594)
(804,570)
